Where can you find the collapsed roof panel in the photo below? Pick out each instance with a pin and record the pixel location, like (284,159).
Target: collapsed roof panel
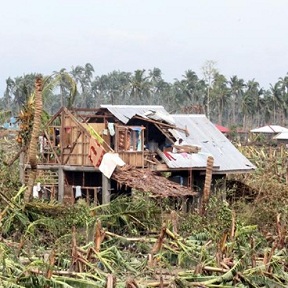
(145,180)
(125,112)
(159,116)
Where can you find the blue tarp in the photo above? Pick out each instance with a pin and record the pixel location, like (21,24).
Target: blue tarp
(11,125)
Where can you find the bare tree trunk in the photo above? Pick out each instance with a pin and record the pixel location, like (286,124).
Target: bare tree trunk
(207,185)
(33,146)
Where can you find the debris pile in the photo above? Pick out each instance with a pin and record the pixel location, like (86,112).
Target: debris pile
(145,180)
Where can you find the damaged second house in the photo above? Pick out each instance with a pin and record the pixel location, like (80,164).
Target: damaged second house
(98,154)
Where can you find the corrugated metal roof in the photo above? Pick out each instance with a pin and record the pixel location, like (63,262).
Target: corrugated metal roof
(270,129)
(185,160)
(203,132)
(125,112)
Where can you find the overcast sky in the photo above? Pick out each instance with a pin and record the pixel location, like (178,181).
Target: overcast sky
(247,38)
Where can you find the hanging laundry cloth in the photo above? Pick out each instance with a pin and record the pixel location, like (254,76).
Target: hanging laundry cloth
(41,143)
(78,192)
(35,192)
(111,129)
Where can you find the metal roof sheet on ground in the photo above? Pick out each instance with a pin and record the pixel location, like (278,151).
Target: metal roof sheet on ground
(270,129)
(281,136)
(125,112)
(203,132)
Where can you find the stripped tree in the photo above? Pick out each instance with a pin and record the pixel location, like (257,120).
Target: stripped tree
(33,145)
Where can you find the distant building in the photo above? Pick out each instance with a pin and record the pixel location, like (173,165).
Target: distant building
(222,129)
(282,138)
(266,134)
(269,129)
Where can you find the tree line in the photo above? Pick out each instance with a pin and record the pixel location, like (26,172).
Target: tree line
(229,101)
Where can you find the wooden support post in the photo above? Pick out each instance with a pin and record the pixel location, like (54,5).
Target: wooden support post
(21,168)
(224,188)
(105,190)
(184,205)
(60,184)
(95,189)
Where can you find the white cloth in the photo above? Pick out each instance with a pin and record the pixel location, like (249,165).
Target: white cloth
(35,192)
(41,142)
(111,129)
(78,192)
(109,162)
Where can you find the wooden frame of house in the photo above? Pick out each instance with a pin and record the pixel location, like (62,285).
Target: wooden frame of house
(74,144)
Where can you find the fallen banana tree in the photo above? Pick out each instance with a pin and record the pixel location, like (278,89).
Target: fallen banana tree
(133,243)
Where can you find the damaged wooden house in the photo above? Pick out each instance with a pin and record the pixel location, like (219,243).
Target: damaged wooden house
(100,153)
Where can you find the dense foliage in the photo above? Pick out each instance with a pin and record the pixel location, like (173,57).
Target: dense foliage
(227,101)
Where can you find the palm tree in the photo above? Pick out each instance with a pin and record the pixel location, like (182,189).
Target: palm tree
(189,92)
(251,103)
(82,76)
(42,88)
(237,89)
(276,99)
(124,86)
(283,86)
(113,87)
(21,88)
(88,72)
(193,87)
(8,94)
(140,87)
(179,98)
(219,94)
(67,85)
(157,82)
(99,89)
(34,138)
(267,107)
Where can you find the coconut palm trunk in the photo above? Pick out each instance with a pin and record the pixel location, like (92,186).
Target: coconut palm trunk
(34,138)
(207,185)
